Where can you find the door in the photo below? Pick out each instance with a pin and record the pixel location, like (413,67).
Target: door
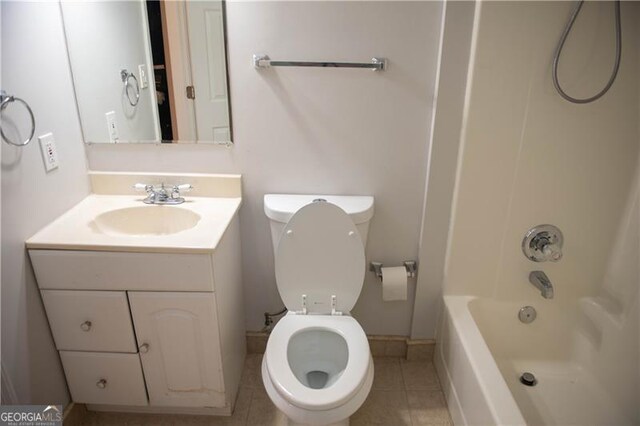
(205,22)
(179,347)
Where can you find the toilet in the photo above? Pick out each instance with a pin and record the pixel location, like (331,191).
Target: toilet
(317,368)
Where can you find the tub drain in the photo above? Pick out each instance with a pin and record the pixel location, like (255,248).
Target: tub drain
(528,379)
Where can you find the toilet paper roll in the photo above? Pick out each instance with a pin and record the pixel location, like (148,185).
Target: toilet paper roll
(394,283)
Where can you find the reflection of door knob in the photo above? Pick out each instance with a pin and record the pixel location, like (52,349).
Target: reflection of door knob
(86,326)
(144,348)
(102,383)
(543,243)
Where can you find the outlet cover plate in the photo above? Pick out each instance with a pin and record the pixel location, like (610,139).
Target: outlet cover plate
(49,152)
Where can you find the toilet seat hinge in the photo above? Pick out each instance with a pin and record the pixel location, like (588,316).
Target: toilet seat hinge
(334,305)
(304,306)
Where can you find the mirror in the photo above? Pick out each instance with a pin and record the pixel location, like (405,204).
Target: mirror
(149,71)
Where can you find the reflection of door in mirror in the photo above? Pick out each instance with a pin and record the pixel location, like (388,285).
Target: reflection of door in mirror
(195,38)
(149,70)
(209,69)
(160,70)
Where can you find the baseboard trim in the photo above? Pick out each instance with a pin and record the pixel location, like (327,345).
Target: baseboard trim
(206,411)
(381,346)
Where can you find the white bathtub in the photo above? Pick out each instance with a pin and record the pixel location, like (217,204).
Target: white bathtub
(482,349)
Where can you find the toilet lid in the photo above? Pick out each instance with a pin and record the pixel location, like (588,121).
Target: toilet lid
(320,254)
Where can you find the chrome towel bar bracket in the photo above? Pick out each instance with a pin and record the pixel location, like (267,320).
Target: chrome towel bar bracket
(5,101)
(263,61)
(410,265)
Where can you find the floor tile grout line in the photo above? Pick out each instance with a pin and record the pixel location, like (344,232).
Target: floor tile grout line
(245,421)
(406,397)
(404,383)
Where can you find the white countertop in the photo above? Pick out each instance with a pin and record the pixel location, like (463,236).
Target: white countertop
(76,230)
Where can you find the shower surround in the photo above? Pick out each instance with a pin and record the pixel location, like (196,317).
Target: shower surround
(529,157)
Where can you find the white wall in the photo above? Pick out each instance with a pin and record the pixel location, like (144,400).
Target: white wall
(35,68)
(441,172)
(529,157)
(335,131)
(103,38)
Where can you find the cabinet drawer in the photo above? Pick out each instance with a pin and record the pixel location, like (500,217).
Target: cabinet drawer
(90,320)
(104,378)
(99,270)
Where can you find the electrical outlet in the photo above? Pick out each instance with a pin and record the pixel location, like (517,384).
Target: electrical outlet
(144,79)
(112,128)
(49,153)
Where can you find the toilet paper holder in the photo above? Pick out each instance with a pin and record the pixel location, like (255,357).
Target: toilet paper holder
(410,265)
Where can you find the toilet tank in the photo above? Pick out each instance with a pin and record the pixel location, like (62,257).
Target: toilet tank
(279,208)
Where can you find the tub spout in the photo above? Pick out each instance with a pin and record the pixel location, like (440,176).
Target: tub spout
(542,283)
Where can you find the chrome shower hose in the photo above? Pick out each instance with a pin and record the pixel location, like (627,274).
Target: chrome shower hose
(563,38)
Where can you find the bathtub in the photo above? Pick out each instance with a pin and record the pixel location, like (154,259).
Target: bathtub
(482,350)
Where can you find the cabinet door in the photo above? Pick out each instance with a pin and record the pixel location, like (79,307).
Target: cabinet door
(179,347)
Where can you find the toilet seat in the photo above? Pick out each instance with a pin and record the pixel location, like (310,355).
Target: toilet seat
(320,262)
(344,388)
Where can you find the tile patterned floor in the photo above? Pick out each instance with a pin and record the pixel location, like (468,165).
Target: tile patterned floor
(403,393)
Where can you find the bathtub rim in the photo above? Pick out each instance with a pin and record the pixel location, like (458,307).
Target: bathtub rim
(499,400)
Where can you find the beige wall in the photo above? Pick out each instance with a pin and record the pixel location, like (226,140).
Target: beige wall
(335,131)
(35,68)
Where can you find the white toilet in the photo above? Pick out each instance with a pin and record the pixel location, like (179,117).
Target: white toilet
(317,368)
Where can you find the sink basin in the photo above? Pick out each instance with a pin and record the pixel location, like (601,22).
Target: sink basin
(145,221)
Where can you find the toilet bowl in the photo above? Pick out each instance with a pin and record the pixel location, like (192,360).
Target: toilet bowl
(317,368)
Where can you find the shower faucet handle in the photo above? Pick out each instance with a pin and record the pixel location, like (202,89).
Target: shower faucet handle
(543,243)
(552,252)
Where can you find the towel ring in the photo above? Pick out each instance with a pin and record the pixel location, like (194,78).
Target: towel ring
(126,79)
(5,100)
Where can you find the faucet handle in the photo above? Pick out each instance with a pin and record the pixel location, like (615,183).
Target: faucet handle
(141,187)
(185,187)
(552,252)
(543,243)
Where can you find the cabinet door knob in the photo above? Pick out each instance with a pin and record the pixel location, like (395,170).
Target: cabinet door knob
(144,348)
(102,383)
(86,326)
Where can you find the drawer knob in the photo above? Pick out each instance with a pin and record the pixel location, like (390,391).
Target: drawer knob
(144,348)
(86,326)
(101,384)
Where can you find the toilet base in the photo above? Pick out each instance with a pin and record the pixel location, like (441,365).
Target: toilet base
(314,420)
(288,422)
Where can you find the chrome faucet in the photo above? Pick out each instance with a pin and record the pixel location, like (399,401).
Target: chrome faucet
(542,283)
(163,194)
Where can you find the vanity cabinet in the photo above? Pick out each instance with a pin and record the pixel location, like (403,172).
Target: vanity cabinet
(148,332)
